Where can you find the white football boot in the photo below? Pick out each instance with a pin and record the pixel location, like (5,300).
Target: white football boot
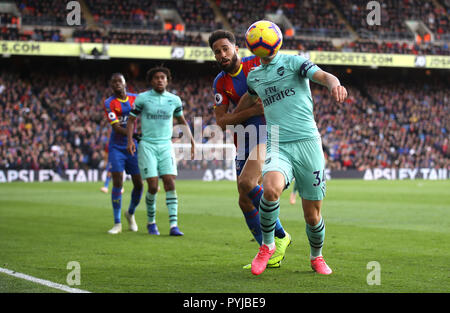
(117,228)
(131,222)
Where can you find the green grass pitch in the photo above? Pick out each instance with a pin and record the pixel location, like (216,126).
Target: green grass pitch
(402,225)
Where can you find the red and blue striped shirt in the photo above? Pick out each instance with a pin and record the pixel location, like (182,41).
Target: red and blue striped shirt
(228,88)
(117,111)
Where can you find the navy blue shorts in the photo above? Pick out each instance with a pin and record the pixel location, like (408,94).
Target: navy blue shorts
(121,160)
(243,153)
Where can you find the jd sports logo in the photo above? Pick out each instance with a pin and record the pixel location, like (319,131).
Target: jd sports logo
(280,71)
(177,53)
(420,61)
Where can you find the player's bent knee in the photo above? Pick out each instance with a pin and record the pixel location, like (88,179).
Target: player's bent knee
(153,189)
(245,185)
(271,193)
(312,219)
(311,211)
(169,185)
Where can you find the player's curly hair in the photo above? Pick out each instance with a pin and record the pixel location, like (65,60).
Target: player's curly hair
(221,34)
(151,72)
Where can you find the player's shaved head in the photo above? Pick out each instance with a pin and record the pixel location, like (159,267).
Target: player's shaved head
(117,75)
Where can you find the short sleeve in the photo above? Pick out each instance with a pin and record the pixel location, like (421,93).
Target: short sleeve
(305,67)
(179,108)
(220,97)
(137,106)
(110,114)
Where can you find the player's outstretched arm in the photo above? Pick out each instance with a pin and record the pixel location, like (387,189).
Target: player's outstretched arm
(338,92)
(247,110)
(131,147)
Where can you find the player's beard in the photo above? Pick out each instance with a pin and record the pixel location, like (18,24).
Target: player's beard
(232,66)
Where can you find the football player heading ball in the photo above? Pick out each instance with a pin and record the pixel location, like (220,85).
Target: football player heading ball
(294,146)
(229,85)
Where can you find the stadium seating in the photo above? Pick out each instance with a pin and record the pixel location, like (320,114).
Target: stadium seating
(407,123)
(139,37)
(197,15)
(393,16)
(315,23)
(8,19)
(36,34)
(44,12)
(308,17)
(383,123)
(397,125)
(371,46)
(315,18)
(125,14)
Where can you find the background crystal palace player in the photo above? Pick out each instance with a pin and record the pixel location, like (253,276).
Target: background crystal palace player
(117,109)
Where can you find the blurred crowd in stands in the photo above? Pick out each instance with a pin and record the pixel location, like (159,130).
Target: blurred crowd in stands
(395,125)
(314,24)
(140,38)
(396,48)
(36,34)
(56,121)
(124,14)
(394,14)
(45,12)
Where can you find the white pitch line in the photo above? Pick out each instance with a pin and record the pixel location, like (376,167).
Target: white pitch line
(42,281)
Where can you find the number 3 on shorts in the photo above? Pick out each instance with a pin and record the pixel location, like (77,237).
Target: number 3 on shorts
(318,180)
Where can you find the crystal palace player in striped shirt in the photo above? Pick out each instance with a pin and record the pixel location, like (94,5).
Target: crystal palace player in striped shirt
(229,86)
(117,109)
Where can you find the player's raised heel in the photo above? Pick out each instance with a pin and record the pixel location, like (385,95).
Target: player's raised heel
(117,229)
(319,266)
(131,222)
(152,229)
